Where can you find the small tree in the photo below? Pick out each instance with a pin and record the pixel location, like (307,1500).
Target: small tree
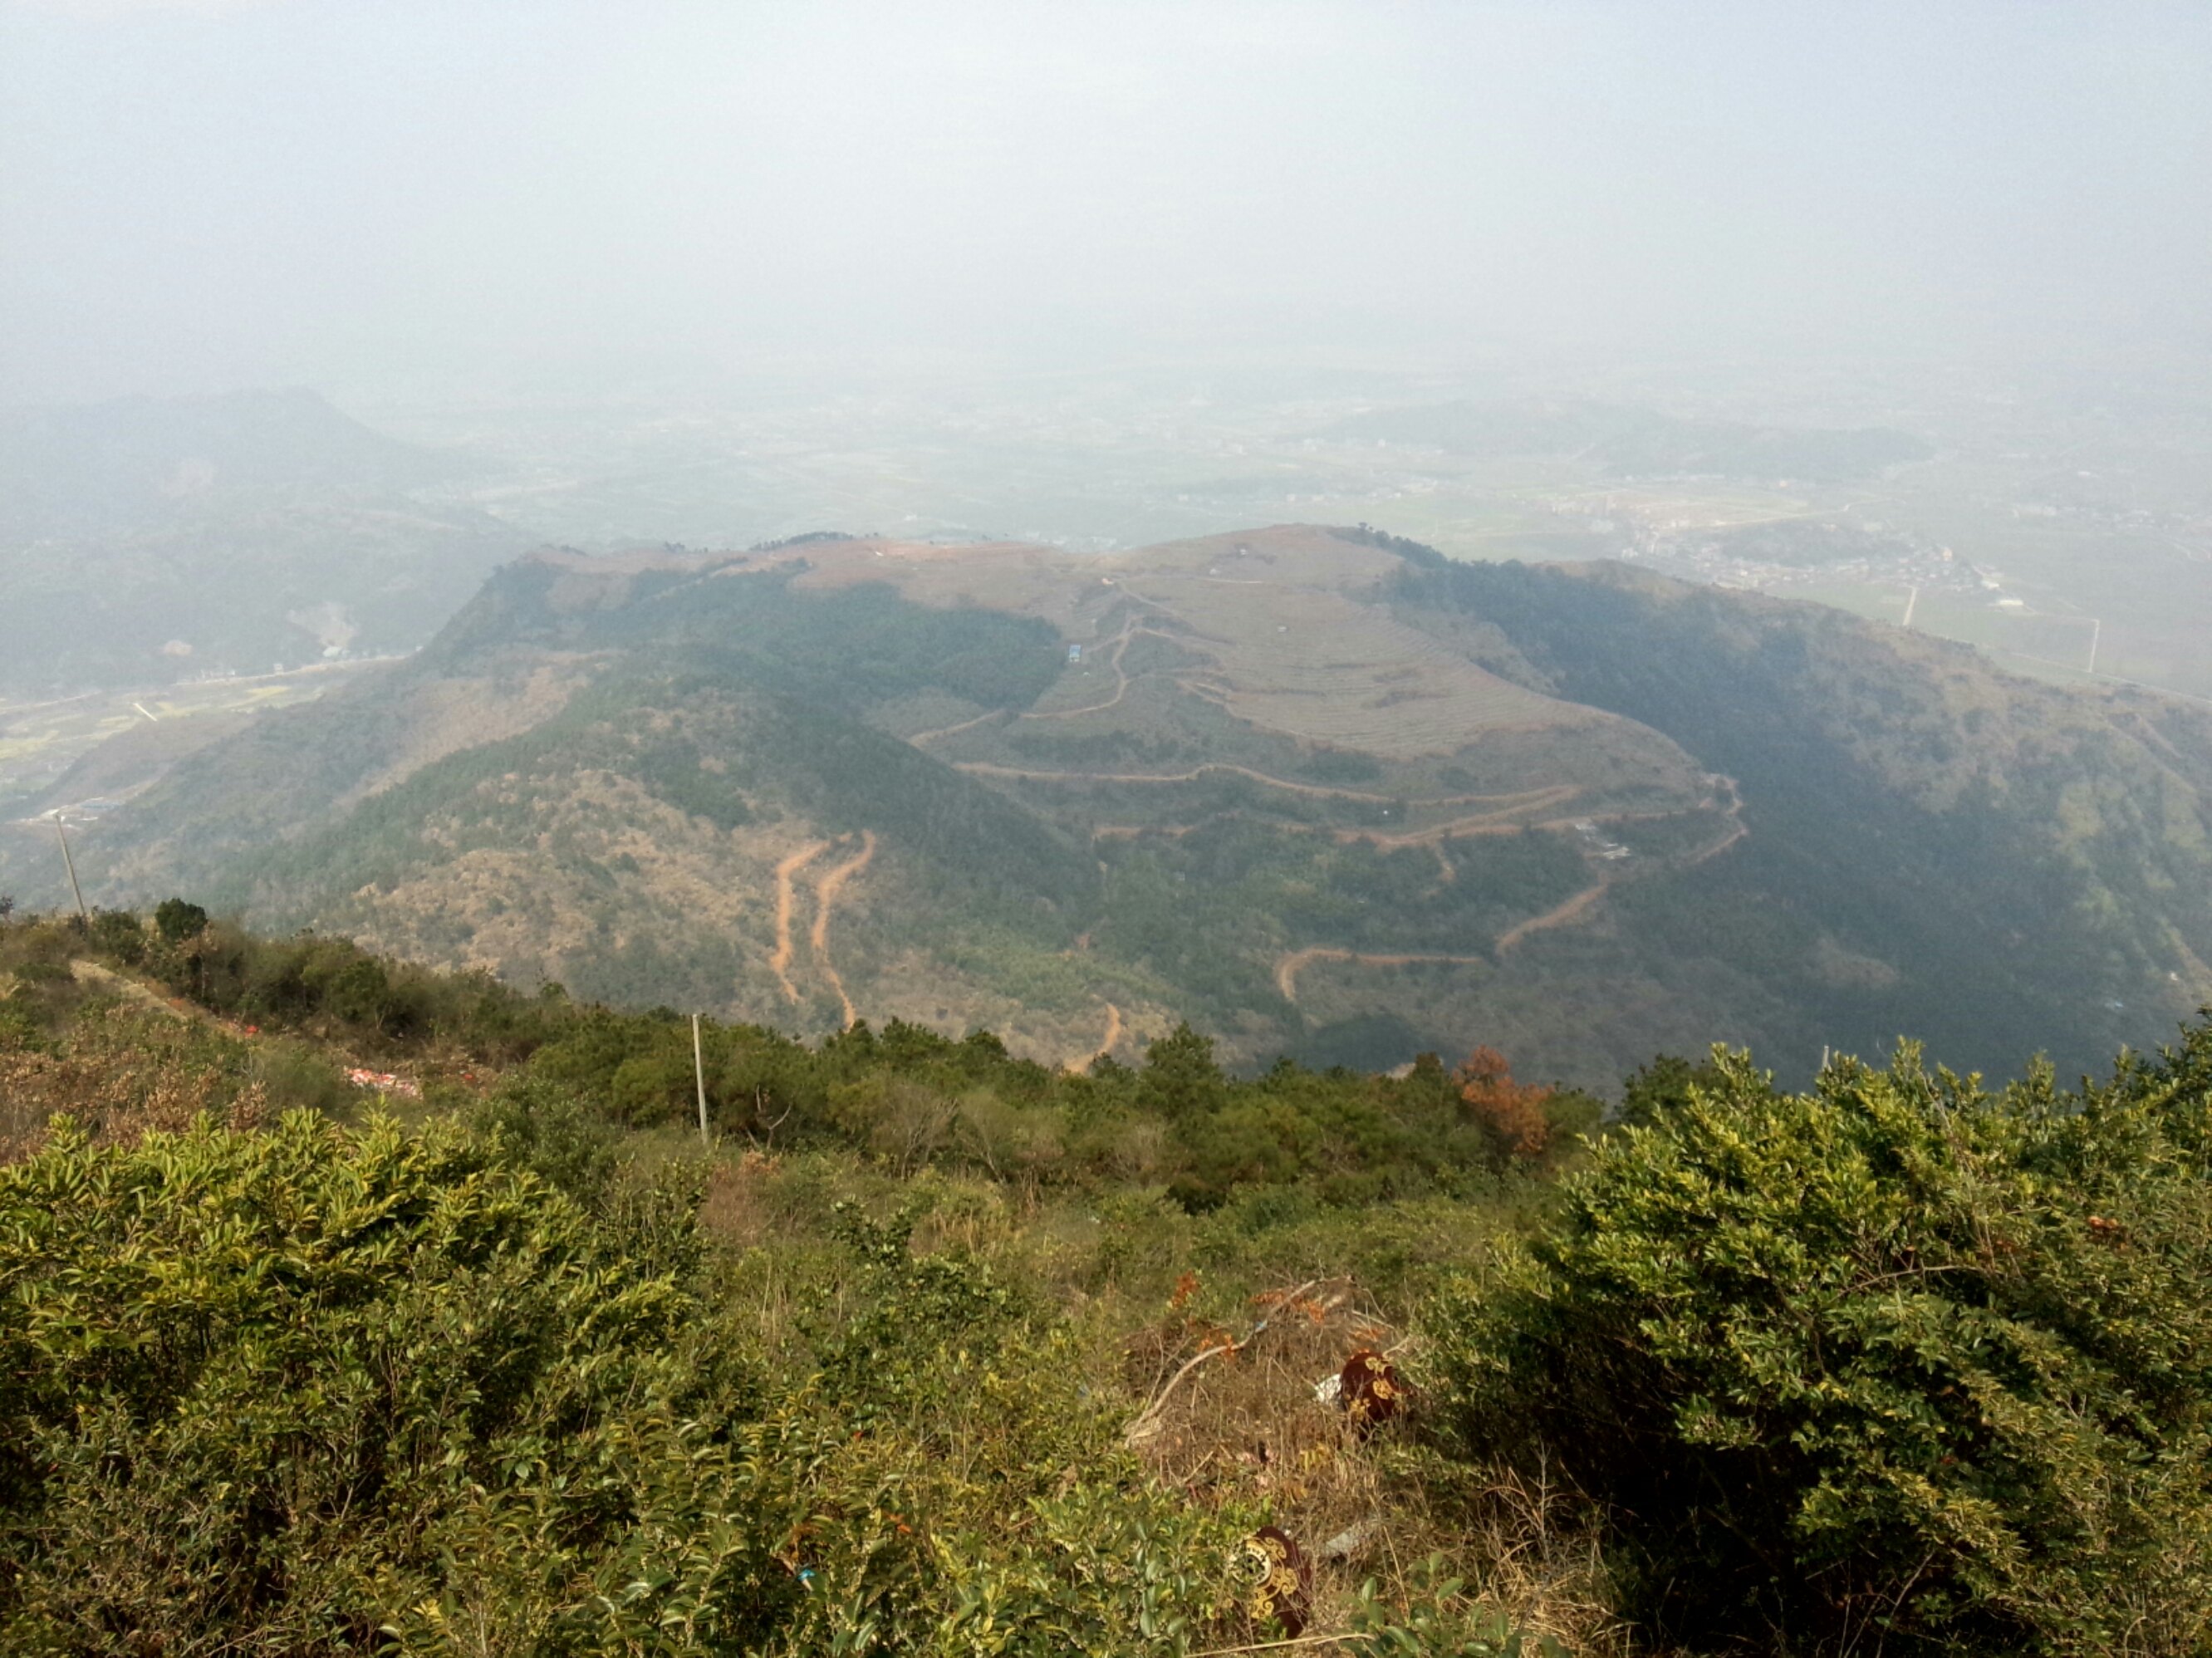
(117,933)
(177,920)
(1180,1079)
(1512,1112)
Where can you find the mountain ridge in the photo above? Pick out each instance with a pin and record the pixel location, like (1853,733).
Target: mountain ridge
(1320,791)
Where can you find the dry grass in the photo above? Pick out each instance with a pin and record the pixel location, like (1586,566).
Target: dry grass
(124,1079)
(1364,1505)
(1324,668)
(1242,1428)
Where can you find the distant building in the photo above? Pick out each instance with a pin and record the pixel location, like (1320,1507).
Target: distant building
(1075,652)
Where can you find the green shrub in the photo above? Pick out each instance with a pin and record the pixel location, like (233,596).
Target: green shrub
(275,1391)
(117,933)
(177,920)
(1440,1619)
(1894,1362)
(312,1391)
(554,1134)
(300,1077)
(981,1500)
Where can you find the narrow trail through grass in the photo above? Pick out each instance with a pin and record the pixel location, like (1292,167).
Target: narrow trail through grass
(1120,680)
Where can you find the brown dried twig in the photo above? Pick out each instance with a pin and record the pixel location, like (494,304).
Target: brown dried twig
(1148,1422)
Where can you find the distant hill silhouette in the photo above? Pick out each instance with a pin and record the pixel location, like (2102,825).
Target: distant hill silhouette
(146,539)
(76,468)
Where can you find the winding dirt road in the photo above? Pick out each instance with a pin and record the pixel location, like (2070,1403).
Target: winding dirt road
(965,724)
(1287,970)
(1120,680)
(1558,915)
(827,886)
(780,961)
(1130,630)
(1580,905)
(1566,914)
(1526,798)
(1082,1062)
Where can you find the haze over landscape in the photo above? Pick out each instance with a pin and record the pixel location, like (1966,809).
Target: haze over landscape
(958,701)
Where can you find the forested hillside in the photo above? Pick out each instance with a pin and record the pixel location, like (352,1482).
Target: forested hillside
(1994,861)
(1314,791)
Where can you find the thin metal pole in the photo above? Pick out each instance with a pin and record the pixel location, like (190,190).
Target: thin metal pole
(699,1071)
(83,913)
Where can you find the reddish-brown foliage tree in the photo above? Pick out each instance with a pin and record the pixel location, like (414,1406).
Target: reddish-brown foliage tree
(1511,1111)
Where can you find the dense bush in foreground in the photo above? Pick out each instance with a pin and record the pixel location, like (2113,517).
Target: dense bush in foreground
(267,1387)
(1895,1364)
(309,1390)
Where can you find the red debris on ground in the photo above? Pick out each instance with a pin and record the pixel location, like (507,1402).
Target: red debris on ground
(1368,1388)
(383,1081)
(1284,1589)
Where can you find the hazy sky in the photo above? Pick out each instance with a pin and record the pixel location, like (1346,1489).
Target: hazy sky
(198,195)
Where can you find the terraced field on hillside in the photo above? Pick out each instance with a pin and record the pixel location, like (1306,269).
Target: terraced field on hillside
(1242,716)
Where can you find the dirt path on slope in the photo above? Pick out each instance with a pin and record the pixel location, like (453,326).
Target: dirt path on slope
(101,978)
(1120,680)
(1503,821)
(1083,1062)
(1558,915)
(1719,846)
(1287,970)
(780,963)
(1580,905)
(1562,915)
(827,886)
(1523,800)
(1130,631)
(948,730)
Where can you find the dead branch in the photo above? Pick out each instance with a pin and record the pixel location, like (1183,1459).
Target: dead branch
(1148,1422)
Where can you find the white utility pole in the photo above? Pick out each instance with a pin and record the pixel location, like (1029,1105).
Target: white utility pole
(69,862)
(699,1072)
(2096,633)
